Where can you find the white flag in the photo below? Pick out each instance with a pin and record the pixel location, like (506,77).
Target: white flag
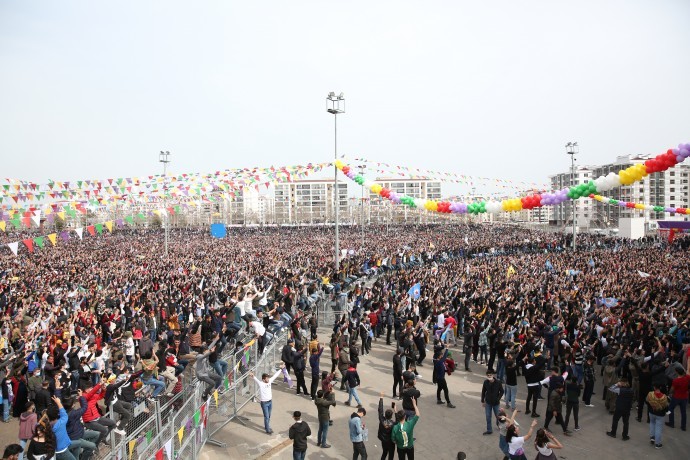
(37,220)
(80,232)
(168,449)
(14,247)
(643,274)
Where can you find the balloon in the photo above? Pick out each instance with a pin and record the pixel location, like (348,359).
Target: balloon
(339,164)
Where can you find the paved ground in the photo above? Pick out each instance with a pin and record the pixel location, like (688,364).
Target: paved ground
(440,433)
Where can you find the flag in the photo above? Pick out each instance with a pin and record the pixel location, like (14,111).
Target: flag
(168,449)
(180,434)
(197,418)
(549,265)
(80,232)
(131,445)
(286,378)
(53,238)
(13,247)
(643,274)
(415,291)
(608,302)
(159,454)
(215,396)
(201,285)
(511,271)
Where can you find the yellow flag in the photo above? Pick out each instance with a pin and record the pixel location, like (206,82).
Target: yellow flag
(511,271)
(2,225)
(131,445)
(180,434)
(157,212)
(62,215)
(109,226)
(215,396)
(53,238)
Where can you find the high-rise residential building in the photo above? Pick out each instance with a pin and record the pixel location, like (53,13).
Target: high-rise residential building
(562,214)
(308,201)
(667,189)
(380,210)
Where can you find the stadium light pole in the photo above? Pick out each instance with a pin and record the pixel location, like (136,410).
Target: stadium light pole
(571,148)
(361,172)
(164,157)
(336,105)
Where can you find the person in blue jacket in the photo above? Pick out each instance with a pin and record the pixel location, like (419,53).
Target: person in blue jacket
(58,419)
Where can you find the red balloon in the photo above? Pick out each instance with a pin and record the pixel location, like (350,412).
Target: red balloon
(630,205)
(680,210)
(346,169)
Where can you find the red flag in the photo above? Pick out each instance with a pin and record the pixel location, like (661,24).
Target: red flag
(671,235)
(159,454)
(92,230)
(27,221)
(29,244)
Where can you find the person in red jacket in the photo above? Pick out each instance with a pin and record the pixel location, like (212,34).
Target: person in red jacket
(92,418)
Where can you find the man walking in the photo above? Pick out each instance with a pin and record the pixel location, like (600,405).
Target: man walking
(555,409)
(492,390)
(357,433)
(352,378)
(323,405)
(299,432)
(397,373)
(266,395)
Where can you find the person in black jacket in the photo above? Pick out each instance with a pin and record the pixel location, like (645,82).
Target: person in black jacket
(533,377)
(299,432)
(286,355)
(492,390)
(397,373)
(298,363)
(624,402)
(386,424)
(439,376)
(83,441)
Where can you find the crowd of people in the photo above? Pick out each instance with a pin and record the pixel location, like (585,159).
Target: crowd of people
(109,321)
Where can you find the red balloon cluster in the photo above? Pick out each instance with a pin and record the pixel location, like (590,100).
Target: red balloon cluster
(444,206)
(346,169)
(531,201)
(661,162)
(630,205)
(385,192)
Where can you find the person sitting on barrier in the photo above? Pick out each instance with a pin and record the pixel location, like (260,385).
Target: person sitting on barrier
(218,365)
(149,364)
(164,369)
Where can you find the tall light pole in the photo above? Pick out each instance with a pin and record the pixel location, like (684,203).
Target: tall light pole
(335,105)
(164,157)
(361,171)
(571,148)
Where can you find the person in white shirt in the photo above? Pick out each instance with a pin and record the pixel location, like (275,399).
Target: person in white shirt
(266,395)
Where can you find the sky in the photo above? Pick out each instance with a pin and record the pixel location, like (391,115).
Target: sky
(495,89)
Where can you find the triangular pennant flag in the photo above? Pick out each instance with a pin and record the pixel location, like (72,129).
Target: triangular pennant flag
(80,232)
(37,220)
(129,219)
(29,244)
(61,214)
(180,434)
(109,226)
(99,228)
(159,454)
(149,434)
(226,382)
(215,396)
(39,241)
(197,418)
(14,247)
(53,238)
(91,229)
(168,449)
(3,224)
(131,446)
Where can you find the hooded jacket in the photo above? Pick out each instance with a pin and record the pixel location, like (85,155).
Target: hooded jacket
(323,407)
(27,423)
(356,429)
(298,433)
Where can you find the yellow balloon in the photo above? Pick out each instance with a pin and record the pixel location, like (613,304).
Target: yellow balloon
(505,205)
(339,164)
(376,188)
(639,206)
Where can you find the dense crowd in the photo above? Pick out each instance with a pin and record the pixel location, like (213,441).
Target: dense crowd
(108,321)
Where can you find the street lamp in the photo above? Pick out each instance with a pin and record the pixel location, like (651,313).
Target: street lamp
(361,172)
(164,157)
(571,148)
(335,105)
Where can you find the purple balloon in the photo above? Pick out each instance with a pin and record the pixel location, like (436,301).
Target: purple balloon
(669,209)
(463,208)
(622,204)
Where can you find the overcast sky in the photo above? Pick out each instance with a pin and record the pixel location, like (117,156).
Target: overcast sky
(95,89)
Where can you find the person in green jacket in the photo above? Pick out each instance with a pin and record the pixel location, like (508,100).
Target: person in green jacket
(403,433)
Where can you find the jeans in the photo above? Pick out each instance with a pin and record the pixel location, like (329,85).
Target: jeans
(501,369)
(299,454)
(626,420)
(683,404)
(388,450)
(573,407)
(323,433)
(221,367)
(503,444)
(656,425)
(352,392)
(359,450)
(103,425)
(579,372)
(487,411)
(266,407)
(78,445)
(212,381)
(511,396)
(65,455)
(125,410)
(5,410)
(157,385)
(22,442)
